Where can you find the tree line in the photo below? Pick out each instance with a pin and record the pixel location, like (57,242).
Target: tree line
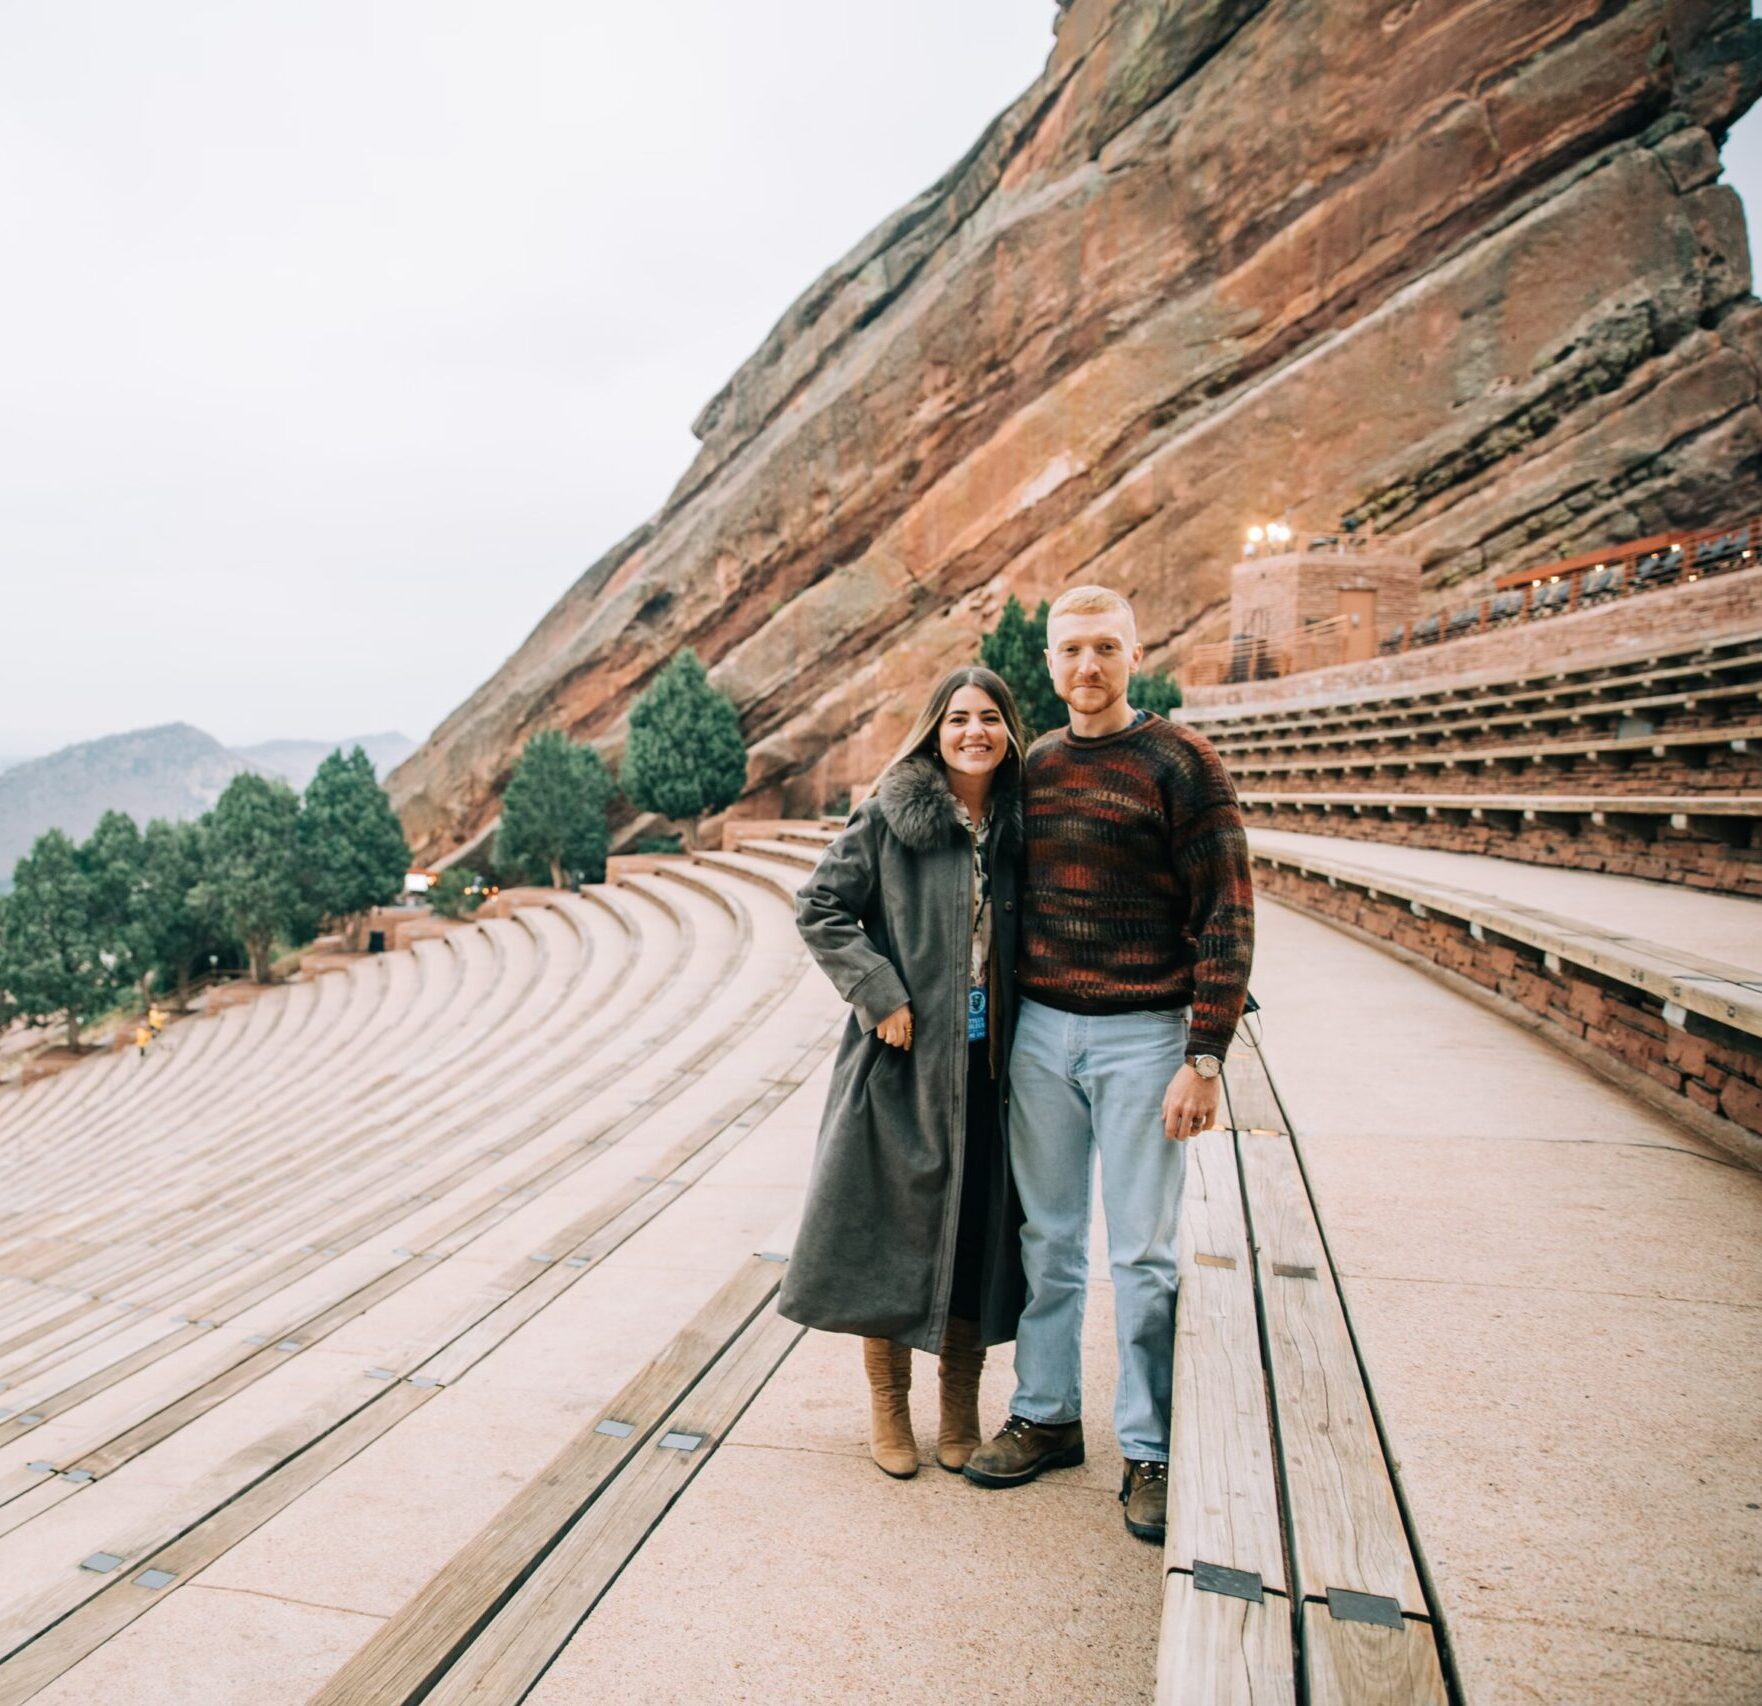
(151,909)
(684,757)
(141,910)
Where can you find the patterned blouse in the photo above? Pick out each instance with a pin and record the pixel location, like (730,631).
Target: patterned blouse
(980,958)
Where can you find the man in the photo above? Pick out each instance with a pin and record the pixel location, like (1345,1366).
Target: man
(1137,932)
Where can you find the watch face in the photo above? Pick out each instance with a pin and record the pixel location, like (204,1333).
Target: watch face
(1207,1065)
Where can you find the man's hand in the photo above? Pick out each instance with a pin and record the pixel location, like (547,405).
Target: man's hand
(1189,1105)
(896,1029)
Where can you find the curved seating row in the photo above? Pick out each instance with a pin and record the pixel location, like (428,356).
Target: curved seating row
(508,1189)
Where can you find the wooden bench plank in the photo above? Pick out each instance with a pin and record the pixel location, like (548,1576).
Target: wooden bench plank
(1249,1101)
(1366,1664)
(1218,1651)
(407,1651)
(1223,1490)
(1346,1525)
(107,1613)
(510,1655)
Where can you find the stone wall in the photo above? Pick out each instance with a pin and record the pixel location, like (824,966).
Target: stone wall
(1705,1068)
(1460,270)
(1693,856)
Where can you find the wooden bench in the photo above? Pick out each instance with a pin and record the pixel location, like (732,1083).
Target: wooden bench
(680,1055)
(1679,669)
(1743,738)
(1289,1571)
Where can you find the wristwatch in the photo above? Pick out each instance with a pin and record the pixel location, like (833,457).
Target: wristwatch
(1206,1065)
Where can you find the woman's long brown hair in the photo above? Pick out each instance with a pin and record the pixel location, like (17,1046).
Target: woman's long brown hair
(926,731)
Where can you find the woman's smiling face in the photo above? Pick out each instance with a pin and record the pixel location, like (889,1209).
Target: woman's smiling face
(972,738)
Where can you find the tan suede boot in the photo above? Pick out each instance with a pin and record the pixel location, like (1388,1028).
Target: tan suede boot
(891,1442)
(963,1357)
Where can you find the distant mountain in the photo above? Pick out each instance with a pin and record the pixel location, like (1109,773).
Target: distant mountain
(298,759)
(172,771)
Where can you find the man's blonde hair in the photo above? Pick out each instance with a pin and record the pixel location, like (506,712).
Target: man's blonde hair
(1088,600)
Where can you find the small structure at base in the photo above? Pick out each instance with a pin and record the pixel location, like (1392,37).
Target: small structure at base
(1304,602)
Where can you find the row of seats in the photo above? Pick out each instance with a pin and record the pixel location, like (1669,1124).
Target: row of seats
(1648,572)
(1645,766)
(1686,676)
(262,1252)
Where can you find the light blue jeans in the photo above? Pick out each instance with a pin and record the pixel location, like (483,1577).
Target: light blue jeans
(1081,1086)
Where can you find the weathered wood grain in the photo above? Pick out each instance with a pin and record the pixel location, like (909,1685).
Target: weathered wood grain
(1346,1525)
(1223,1489)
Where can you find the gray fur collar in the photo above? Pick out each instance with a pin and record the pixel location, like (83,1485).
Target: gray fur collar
(919,809)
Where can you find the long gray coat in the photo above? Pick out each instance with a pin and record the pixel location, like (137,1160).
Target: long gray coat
(888,915)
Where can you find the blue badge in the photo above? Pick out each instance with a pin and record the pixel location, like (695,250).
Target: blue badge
(976,1026)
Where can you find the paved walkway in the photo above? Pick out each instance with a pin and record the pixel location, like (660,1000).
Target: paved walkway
(1720,927)
(1559,1301)
(1558,1298)
(793,1571)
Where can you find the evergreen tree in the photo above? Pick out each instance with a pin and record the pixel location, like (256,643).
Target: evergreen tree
(54,966)
(1016,650)
(8,1006)
(554,812)
(111,860)
(685,755)
(352,846)
(253,878)
(175,911)
(454,893)
(1155,691)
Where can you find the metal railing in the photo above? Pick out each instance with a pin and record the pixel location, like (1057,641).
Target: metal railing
(1583,582)
(1263,657)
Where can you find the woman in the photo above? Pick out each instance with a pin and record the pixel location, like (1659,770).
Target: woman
(910,1234)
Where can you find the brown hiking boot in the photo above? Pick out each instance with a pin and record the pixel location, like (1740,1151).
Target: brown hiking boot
(1144,1491)
(1025,1449)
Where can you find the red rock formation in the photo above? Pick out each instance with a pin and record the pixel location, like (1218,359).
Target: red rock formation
(1458,268)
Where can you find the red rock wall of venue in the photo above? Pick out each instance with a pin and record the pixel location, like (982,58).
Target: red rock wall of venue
(1458,268)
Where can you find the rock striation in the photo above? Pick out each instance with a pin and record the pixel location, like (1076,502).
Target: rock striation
(1458,269)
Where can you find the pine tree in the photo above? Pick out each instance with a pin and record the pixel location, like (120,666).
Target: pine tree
(554,812)
(1016,650)
(685,755)
(8,1005)
(110,858)
(352,847)
(1155,691)
(54,966)
(175,911)
(253,878)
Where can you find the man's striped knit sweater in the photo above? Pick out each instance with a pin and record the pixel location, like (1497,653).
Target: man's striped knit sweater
(1138,893)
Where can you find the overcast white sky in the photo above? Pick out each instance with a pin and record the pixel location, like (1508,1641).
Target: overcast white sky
(338,338)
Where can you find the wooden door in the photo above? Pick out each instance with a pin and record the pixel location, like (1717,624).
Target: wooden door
(1360,611)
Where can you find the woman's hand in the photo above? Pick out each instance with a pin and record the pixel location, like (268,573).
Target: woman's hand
(896,1029)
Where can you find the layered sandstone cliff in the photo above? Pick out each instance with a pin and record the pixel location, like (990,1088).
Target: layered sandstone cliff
(1457,268)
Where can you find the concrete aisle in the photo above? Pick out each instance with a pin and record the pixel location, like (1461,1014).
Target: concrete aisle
(1559,1298)
(793,1571)
(1718,926)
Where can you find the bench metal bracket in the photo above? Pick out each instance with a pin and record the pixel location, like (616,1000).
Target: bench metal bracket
(1348,1607)
(1220,1578)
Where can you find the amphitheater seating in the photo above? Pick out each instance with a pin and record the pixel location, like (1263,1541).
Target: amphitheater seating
(1650,766)
(236,1269)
